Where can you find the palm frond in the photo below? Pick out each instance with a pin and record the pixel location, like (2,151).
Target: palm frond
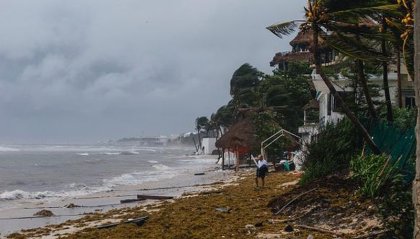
(388,10)
(285,28)
(353,48)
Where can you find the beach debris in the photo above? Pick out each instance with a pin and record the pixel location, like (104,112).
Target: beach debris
(269,236)
(258,224)
(71,205)
(372,234)
(288,228)
(131,200)
(250,228)
(319,229)
(44,213)
(211,192)
(224,209)
(310,236)
(199,174)
(138,221)
(144,197)
(293,200)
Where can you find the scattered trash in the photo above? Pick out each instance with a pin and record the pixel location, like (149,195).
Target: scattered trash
(199,174)
(223,209)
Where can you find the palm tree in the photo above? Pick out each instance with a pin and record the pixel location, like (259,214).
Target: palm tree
(200,124)
(416,183)
(321,19)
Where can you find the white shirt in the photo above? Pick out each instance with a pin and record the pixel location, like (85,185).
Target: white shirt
(261,163)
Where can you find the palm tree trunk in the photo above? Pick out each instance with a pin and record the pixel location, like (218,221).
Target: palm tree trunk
(362,79)
(416,183)
(334,92)
(389,115)
(400,102)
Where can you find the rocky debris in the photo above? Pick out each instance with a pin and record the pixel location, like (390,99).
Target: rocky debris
(44,213)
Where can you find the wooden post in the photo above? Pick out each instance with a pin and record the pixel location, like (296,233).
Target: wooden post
(223,158)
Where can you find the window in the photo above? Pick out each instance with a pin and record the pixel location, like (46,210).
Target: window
(410,101)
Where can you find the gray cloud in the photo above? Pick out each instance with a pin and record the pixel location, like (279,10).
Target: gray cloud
(83,71)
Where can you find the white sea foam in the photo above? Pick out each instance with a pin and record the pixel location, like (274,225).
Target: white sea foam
(8,149)
(76,191)
(112,153)
(161,167)
(129,153)
(83,154)
(152,161)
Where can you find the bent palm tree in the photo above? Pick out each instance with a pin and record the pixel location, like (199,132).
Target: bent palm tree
(416,184)
(320,21)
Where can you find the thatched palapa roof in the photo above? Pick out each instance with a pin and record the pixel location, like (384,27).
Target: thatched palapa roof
(291,57)
(240,135)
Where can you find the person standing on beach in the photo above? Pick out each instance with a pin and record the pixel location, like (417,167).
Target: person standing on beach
(262,169)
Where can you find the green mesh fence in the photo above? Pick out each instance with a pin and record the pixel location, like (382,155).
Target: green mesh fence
(399,144)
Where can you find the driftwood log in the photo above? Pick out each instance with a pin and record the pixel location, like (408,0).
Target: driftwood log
(144,197)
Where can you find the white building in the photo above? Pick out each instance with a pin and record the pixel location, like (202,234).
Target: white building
(208,145)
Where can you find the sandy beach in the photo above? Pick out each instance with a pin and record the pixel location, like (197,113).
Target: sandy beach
(227,208)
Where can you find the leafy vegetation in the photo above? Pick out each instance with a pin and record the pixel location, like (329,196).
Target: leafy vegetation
(331,152)
(380,179)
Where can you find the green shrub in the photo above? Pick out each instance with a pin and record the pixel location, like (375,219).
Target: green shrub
(405,118)
(331,152)
(374,172)
(380,179)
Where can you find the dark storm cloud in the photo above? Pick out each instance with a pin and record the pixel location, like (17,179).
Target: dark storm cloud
(78,70)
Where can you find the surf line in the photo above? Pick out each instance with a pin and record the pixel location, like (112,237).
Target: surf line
(35,217)
(81,206)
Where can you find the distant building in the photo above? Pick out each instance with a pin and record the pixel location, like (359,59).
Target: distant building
(208,145)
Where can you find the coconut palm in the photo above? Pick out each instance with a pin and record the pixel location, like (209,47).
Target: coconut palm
(416,186)
(333,15)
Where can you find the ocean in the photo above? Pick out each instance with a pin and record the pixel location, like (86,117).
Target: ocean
(34,175)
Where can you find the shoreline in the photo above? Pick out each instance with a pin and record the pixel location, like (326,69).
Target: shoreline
(16,219)
(236,208)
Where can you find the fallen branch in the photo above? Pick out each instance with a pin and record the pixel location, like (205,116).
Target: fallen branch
(294,199)
(319,229)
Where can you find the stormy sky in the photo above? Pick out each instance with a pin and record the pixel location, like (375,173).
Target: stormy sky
(83,71)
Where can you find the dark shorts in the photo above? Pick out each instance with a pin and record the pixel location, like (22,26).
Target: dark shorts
(261,172)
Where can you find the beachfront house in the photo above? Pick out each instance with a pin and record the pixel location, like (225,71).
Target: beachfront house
(327,109)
